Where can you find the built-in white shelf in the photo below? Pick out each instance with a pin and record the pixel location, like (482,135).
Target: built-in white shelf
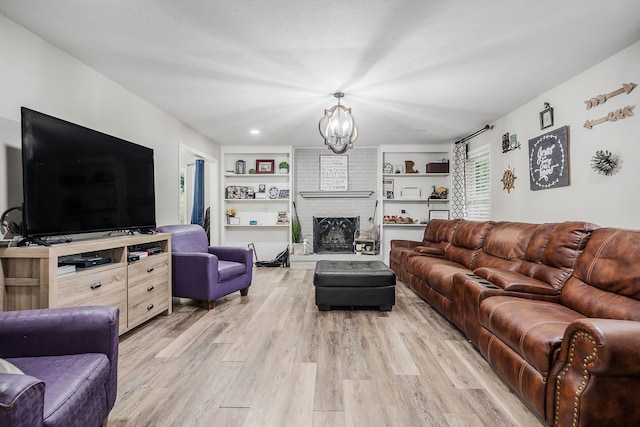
(391,175)
(336,194)
(415,200)
(256,175)
(255,200)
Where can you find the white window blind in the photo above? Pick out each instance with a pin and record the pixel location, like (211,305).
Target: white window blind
(478,184)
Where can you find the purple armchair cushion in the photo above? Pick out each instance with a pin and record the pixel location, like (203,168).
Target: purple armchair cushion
(70,384)
(21,400)
(228,270)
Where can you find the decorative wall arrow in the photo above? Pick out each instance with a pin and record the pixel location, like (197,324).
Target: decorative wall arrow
(601,99)
(619,114)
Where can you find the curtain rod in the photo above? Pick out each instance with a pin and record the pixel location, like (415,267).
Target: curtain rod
(476,133)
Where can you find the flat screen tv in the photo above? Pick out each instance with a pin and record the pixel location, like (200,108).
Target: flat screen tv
(78,180)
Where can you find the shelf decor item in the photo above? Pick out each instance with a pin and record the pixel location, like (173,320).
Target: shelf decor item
(438,167)
(408,167)
(283,194)
(283,167)
(273,192)
(265,166)
(411,193)
(241,167)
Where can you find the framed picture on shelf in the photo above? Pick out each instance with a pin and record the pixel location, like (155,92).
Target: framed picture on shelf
(387,188)
(283,194)
(438,214)
(265,166)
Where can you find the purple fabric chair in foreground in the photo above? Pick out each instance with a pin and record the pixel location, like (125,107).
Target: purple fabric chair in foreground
(204,272)
(67,360)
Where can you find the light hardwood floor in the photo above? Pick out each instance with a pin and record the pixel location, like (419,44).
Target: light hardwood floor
(272,359)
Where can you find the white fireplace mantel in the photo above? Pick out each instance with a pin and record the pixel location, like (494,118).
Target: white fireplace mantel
(336,194)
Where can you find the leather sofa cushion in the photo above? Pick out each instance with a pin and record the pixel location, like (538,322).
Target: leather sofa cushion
(610,262)
(533,329)
(440,230)
(437,273)
(514,281)
(471,234)
(565,242)
(508,240)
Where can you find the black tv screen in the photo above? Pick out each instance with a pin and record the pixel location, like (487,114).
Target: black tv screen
(78,180)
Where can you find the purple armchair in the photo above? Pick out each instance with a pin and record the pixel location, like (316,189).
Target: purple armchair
(204,272)
(69,360)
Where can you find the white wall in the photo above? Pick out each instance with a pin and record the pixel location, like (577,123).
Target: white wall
(38,75)
(604,200)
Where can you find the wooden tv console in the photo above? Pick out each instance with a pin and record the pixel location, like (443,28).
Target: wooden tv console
(141,289)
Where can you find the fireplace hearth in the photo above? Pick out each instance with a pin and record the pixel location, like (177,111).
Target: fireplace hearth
(334,234)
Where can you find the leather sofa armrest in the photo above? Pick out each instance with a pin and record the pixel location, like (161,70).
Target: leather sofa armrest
(21,400)
(598,366)
(398,243)
(427,250)
(514,281)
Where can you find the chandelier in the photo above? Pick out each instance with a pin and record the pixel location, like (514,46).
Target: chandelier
(338,128)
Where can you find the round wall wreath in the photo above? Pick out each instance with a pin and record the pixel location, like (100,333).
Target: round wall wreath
(606,163)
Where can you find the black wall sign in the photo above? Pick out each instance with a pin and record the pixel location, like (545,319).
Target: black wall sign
(549,159)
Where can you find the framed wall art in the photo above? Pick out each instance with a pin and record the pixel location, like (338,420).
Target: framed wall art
(438,214)
(265,166)
(334,173)
(546,116)
(549,160)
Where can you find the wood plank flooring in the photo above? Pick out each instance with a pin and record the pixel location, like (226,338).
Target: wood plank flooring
(273,359)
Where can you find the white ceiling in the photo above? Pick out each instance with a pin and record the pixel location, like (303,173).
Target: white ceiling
(414,71)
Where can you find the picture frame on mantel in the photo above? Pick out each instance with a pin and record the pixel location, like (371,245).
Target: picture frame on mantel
(334,173)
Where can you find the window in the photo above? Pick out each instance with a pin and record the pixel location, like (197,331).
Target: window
(478,184)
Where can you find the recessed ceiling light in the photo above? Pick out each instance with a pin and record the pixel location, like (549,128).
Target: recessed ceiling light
(254,132)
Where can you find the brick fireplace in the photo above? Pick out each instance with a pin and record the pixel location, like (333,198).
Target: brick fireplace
(358,202)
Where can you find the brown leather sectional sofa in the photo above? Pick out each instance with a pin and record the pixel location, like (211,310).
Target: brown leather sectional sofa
(554,308)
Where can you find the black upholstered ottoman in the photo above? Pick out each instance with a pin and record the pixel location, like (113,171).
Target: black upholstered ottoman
(354,284)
